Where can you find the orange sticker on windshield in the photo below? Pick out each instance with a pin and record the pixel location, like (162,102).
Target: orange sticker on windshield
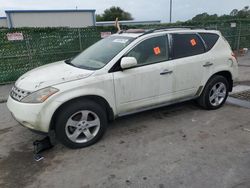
(157,50)
(193,42)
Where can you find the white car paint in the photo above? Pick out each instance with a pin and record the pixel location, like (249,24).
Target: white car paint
(51,74)
(125,91)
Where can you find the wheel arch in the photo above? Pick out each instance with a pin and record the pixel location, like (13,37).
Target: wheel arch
(226,74)
(98,99)
(204,97)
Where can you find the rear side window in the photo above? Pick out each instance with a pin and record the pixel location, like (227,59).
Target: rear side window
(184,45)
(210,39)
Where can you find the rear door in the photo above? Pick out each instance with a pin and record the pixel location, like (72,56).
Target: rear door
(188,59)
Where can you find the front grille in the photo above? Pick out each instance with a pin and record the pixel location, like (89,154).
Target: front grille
(18,94)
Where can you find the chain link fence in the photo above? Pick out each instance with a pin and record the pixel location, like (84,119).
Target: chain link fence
(238,36)
(40,47)
(47,45)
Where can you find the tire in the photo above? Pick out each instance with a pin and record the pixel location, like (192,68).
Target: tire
(215,93)
(80,124)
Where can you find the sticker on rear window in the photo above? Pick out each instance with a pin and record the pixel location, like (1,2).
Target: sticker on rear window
(123,41)
(193,42)
(157,50)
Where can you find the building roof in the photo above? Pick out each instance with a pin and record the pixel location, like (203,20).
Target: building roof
(10,12)
(128,22)
(48,11)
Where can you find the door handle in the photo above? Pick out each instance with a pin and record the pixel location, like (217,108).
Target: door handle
(166,72)
(207,64)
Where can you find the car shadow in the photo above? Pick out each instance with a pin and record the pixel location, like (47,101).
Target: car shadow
(162,113)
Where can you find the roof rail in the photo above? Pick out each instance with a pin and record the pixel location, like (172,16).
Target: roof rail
(142,31)
(172,28)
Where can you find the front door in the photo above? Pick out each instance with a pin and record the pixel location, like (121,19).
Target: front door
(140,87)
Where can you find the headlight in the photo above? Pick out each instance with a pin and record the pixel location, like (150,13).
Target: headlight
(40,96)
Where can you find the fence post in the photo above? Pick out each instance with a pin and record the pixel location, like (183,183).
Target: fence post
(238,42)
(28,48)
(80,38)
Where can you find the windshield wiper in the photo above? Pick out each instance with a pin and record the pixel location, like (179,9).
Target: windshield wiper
(68,61)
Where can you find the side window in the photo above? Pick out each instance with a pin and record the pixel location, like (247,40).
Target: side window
(210,39)
(152,50)
(184,45)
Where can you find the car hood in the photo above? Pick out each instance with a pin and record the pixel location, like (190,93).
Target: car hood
(51,74)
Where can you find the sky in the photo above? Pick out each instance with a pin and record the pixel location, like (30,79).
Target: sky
(141,10)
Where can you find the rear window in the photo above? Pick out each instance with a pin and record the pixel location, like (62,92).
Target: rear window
(210,39)
(185,45)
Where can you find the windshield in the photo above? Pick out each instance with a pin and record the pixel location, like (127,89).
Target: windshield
(101,53)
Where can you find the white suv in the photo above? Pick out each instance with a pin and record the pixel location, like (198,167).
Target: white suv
(128,72)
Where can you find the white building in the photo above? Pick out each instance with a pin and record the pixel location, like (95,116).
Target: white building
(3,22)
(50,18)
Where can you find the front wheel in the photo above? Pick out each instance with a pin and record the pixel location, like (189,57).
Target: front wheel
(81,124)
(215,93)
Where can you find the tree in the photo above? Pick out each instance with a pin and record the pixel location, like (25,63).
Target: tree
(234,12)
(244,13)
(112,13)
(204,17)
(99,18)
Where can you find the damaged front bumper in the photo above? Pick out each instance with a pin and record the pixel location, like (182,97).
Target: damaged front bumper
(28,115)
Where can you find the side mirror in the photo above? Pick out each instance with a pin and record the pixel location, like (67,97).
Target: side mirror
(128,62)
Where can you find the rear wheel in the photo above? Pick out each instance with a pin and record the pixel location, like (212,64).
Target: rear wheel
(215,93)
(81,124)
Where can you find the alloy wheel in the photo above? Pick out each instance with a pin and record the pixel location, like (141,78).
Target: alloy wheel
(82,126)
(217,94)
